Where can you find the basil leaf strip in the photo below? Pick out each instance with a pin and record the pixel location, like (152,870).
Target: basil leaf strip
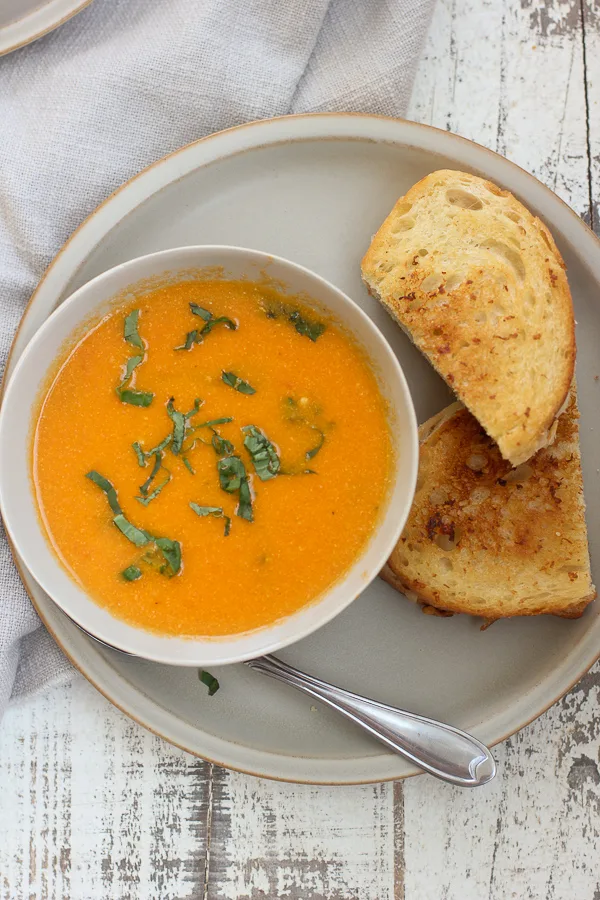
(131,335)
(130,330)
(105,485)
(265,458)
(312,453)
(200,311)
(180,423)
(215,511)
(221,445)
(311,330)
(155,470)
(306,327)
(131,573)
(234,381)
(135,535)
(244,509)
(197,336)
(232,478)
(210,681)
(135,398)
(171,550)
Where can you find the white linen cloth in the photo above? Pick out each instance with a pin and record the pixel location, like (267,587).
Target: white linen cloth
(122,84)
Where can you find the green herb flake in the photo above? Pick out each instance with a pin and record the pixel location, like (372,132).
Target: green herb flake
(105,485)
(131,573)
(215,511)
(221,445)
(234,381)
(232,478)
(171,550)
(135,398)
(180,423)
(130,330)
(200,311)
(309,328)
(265,458)
(141,456)
(135,535)
(312,453)
(197,336)
(209,680)
(223,421)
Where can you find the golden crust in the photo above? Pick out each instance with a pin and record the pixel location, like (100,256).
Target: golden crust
(489,540)
(480,287)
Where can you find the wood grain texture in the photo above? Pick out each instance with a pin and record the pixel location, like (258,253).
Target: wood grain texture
(92,807)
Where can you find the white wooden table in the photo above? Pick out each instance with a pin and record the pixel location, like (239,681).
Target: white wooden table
(92,807)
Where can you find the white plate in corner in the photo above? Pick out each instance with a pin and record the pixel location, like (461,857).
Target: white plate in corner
(24,21)
(314,189)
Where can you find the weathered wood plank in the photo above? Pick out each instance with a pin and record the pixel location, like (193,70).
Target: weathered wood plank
(300,842)
(591,31)
(98,808)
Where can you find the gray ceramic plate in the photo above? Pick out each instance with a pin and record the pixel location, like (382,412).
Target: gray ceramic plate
(314,189)
(24,21)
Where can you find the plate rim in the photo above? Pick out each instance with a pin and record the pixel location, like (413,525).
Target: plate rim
(366,119)
(75,8)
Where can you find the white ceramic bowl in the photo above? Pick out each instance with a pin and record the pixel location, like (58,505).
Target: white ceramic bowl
(18,503)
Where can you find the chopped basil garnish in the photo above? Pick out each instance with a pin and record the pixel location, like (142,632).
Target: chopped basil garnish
(200,311)
(135,535)
(244,509)
(265,458)
(212,422)
(222,446)
(135,398)
(312,453)
(131,573)
(105,485)
(232,478)
(141,456)
(187,463)
(234,381)
(130,330)
(309,328)
(312,330)
(124,393)
(180,423)
(170,550)
(215,511)
(197,335)
(209,680)
(144,488)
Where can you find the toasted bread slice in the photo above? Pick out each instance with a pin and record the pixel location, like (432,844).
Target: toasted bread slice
(479,286)
(485,539)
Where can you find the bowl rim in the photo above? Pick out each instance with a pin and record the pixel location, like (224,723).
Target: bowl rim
(256,642)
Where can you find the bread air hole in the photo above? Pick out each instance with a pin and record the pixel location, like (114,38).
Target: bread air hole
(512,215)
(530,300)
(519,475)
(546,239)
(464,199)
(403,208)
(432,282)
(446,564)
(452,282)
(422,251)
(509,254)
(404,224)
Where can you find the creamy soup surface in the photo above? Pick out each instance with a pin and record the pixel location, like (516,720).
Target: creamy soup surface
(210,457)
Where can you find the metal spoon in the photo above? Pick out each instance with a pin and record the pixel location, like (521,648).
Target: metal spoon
(439,749)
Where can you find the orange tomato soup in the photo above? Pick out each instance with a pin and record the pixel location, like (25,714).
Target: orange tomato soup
(315,406)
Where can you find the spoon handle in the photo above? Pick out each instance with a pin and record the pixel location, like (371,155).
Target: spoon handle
(439,749)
